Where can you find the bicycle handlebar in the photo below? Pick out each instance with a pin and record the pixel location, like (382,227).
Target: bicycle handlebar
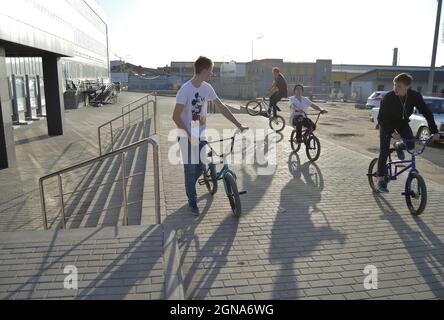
(233,138)
(312,114)
(423,141)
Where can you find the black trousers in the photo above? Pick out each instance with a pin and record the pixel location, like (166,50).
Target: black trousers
(384,142)
(299,122)
(274,99)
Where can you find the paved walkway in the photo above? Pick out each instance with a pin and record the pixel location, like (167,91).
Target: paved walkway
(307,232)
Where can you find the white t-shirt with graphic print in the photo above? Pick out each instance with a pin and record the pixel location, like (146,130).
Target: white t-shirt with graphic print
(195,101)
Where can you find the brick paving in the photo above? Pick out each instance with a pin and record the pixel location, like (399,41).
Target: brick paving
(307,231)
(112,263)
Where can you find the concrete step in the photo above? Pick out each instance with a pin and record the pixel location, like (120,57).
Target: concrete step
(137,262)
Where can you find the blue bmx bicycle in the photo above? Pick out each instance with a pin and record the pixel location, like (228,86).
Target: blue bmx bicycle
(229,178)
(415,192)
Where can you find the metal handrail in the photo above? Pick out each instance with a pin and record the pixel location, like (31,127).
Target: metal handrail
(154,94)
(121,152)
(128,113)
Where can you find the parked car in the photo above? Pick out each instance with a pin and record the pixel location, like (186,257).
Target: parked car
(374,101)
(417,121)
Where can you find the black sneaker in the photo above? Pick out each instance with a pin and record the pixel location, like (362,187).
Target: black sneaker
(399,146)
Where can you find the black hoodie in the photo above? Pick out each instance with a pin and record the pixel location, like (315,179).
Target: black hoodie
(392,116)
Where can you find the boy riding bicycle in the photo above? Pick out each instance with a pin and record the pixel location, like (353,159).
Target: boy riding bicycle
(278,90)
(298,111)
(393,119)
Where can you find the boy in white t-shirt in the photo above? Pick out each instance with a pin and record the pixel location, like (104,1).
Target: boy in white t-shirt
(190,116)
(298,111)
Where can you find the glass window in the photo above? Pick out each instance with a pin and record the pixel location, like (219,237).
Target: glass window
(8,66)
(22,66)
(20,92)
(380,87)
(27,65)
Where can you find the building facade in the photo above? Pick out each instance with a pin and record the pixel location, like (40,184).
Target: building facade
(343,75)
(52,54)
(382,80)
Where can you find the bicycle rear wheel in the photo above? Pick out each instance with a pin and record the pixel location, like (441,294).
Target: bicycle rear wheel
(415,193)
(372,175)
(254,108)
(277,123)
(233,194)
(313,148)
(295,146)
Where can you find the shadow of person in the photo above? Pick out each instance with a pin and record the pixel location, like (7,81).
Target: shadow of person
(210,259)
(423,246)
(257,177)
(294,235)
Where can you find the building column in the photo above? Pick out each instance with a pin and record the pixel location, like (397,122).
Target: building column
(55,107)
(39,97)
(28,108)
(15,112)
(7,147)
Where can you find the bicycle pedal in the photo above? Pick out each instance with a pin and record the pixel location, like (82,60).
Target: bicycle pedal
(242,193)
(201,182)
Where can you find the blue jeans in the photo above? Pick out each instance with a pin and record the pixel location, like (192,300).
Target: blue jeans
(192,172)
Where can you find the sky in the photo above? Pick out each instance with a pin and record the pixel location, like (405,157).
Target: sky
(153,33)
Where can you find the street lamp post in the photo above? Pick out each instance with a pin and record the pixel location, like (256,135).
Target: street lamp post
(252,47)
(435,46)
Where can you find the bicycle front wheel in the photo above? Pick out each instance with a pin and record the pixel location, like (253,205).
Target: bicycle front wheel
(295,146)
(372,175)
(415,193)
(210,183)
(313,148)
(233,194)
(277,123)
(254,108)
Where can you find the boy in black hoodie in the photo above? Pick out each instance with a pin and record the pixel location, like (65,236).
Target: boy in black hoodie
(396,109)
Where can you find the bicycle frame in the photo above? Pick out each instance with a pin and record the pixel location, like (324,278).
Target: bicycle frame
(315,123)
(225,169)
(267,106)
(412,161)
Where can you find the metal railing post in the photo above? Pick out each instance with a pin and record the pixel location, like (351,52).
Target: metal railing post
(155,113)
(125,197)
(100,140)
(155,145)
(42,199)
(143,122)
(62,203)
(112,136)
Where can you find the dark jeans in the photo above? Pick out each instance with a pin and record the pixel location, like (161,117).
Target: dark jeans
(299,122)
(384,138)
(193,169)
(274,99)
